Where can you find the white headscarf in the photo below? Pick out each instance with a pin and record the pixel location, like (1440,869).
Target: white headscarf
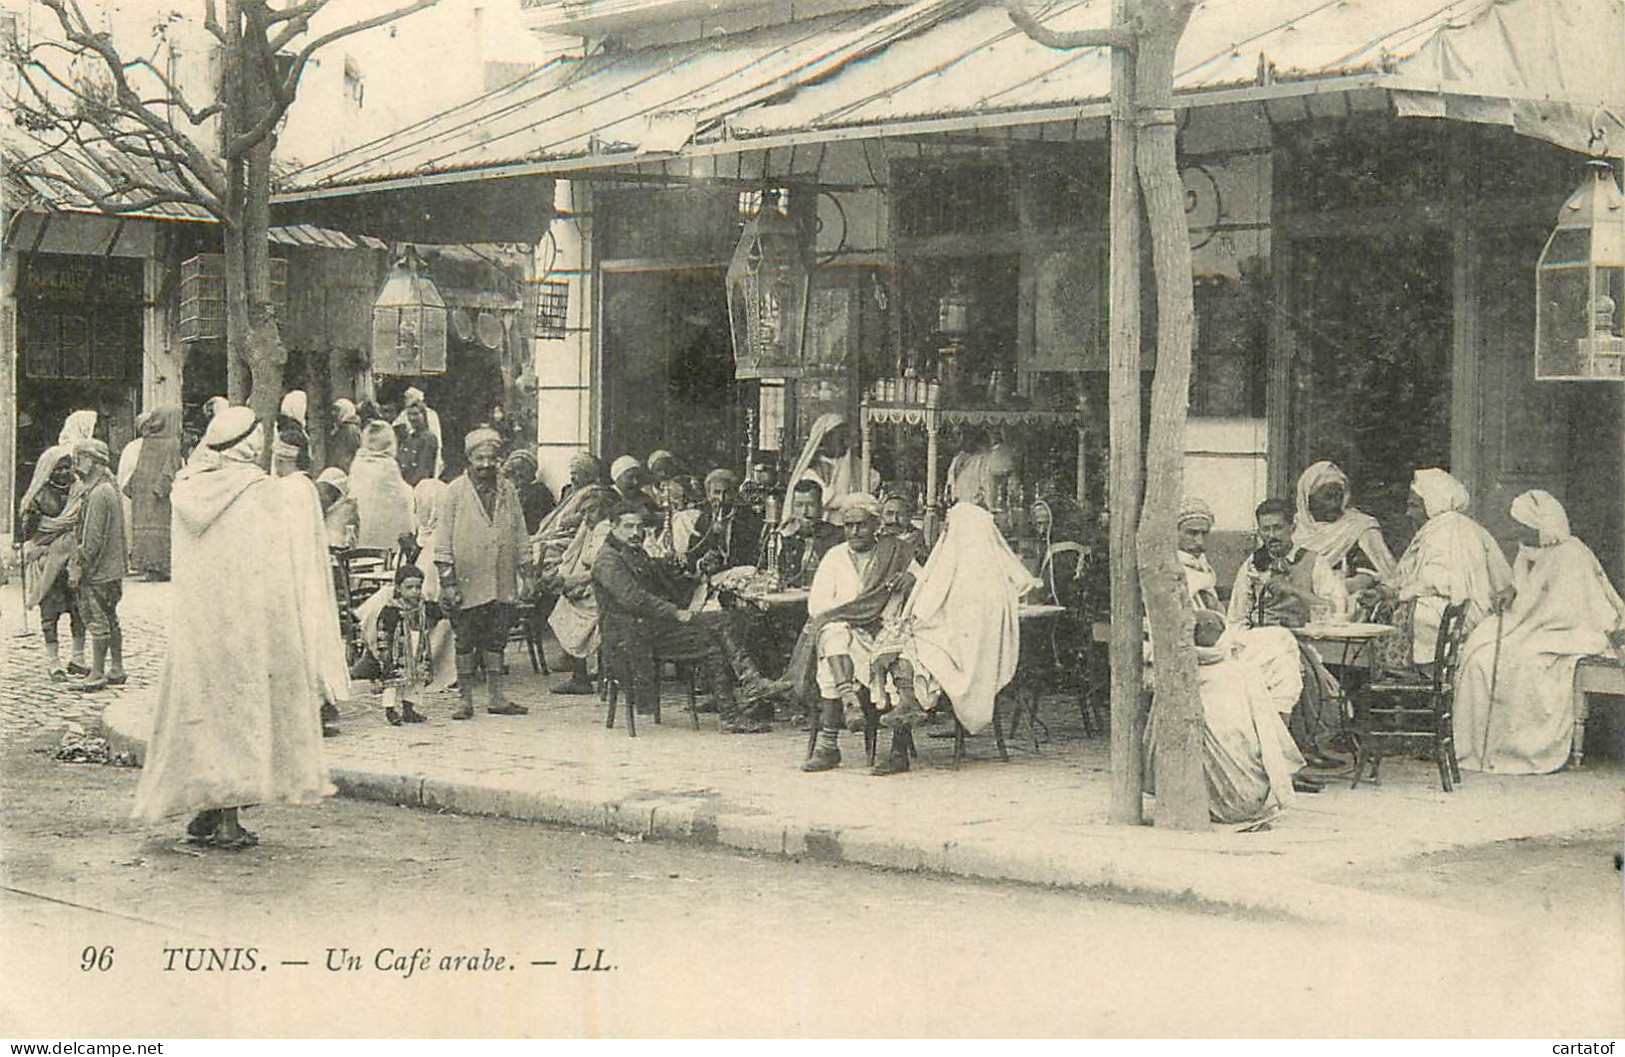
(1439,492)
(822,426)
(1541,511)
(294,404)
(970,478)
(76,427)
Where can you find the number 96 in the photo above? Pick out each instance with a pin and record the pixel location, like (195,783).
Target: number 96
(99,959)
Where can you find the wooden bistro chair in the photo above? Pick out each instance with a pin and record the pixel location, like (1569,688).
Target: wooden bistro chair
(1395,716)
(618,681)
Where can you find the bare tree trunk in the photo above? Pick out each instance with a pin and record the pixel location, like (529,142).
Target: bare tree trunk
(262,346)
(1123,490)
(1182,800)
(238,379)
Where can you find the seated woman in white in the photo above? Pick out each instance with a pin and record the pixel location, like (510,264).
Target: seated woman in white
(1562,608)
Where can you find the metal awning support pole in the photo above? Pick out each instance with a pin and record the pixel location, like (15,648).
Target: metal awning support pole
(1124,488)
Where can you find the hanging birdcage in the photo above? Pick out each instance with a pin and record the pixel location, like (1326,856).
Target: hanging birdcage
(408,323)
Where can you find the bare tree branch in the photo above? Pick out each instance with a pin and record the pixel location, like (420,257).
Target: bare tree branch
(211,21)
(1103,37)
(175,97)
(76,28)
(294,12)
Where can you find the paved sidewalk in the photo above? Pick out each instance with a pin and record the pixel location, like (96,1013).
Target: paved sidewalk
(1038,818)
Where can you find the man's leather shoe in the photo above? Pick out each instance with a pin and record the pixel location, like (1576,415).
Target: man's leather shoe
(573,687)
(1306,785)
(1320,759)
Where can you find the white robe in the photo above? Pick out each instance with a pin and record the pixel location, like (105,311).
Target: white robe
(254,646)
(384,501)
(1564,610)
(127,460)
(1274,653)
(1450,559)
(962,624)
(1248,756)
(575,620)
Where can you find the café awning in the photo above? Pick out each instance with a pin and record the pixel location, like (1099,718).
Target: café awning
(1548,68)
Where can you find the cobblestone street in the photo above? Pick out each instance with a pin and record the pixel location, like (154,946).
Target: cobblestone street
(31,703)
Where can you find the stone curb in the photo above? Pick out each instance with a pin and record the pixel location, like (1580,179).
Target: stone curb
(1121,871)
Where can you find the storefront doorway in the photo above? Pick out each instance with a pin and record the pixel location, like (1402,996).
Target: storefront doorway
(79,343)
(1372,315)
(670,378)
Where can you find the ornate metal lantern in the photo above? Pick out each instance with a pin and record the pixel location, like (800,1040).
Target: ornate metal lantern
(408,322)
(1580,284)
(768,282)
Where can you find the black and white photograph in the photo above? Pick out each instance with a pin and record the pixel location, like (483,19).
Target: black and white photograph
(812,519)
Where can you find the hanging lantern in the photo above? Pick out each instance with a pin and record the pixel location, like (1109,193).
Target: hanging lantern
(768,282)
(408,322)
(1580,284)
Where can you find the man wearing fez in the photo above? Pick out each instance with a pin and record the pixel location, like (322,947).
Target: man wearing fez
(726,534)
(480,547)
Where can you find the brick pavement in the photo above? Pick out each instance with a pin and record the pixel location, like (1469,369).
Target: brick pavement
(1038,818)
(30,703)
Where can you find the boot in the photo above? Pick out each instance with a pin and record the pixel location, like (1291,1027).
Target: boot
(755,686)
(116,675)
(731,716)
(908,712)
(330,720)
(465,685)
(580,681)
(846,685)
(826,754)
(896,761)
(498,705)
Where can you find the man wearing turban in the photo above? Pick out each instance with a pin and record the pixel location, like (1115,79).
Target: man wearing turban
(858,584)
(414,398)
(237,720)
(585,470)
(480,547)
(99,566)
(1450,559)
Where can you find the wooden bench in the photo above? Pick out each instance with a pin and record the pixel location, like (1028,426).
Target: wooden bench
(1593,675)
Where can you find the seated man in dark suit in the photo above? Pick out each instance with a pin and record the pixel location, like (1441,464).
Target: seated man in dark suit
(639,623)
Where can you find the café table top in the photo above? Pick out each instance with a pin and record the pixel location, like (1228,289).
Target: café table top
(797,596)
(1342,631)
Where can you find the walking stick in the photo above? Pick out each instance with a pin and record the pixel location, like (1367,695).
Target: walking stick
(1495,673)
